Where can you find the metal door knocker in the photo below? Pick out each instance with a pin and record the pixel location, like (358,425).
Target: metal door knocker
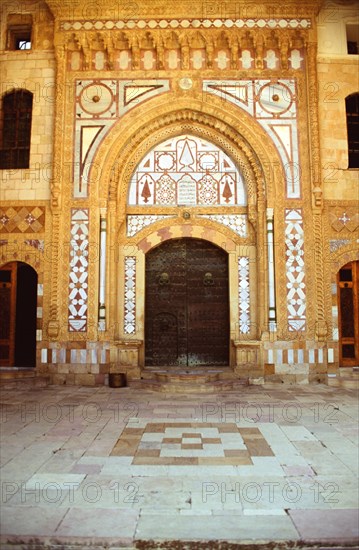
(164,279)
(208,279)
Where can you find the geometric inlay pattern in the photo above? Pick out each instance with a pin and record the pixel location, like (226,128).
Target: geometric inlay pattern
(235,222)
(78,279)
(22,219)
(99,104)
(243,295)
(204,23)
(130,295)
(295,270)
(344,218)
(191,443)
(186,170)
(39,244)
(136,222)
(335,244)
(274,106)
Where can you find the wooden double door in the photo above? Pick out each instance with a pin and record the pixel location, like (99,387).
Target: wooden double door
(348,302)
(186,304)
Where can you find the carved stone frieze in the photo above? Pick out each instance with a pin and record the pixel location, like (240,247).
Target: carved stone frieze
(183,49)
(157,11)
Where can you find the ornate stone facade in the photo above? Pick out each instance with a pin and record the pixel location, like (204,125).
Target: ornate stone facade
(180,120)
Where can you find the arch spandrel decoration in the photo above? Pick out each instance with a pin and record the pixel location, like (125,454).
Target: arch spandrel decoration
(241,138)
(274,107)
(187,170)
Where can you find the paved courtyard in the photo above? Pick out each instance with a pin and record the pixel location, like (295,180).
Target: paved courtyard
(124,468)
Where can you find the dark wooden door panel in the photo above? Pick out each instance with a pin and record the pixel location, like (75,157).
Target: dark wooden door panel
(18,302)
(187,304)
(7,313)
(165,317)
(348,306)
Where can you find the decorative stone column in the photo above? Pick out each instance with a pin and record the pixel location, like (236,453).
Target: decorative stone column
(272,314)
(317,197)
(102,274)
(53,328)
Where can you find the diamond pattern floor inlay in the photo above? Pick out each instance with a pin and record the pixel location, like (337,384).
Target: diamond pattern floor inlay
(191,443)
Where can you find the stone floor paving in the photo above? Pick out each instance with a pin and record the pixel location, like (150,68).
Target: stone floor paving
(266,466)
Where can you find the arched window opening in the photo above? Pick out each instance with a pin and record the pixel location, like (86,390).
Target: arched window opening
(352,110)
(16,129)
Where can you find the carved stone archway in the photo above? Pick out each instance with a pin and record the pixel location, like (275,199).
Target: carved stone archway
(340,258)
(21,305)
(230,128)
(131,268)
(245,142)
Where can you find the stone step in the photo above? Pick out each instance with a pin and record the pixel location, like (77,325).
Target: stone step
(188,380)
(22,379)
(186,377)
(150,372)
(345,378)
(9,373)
(187,386)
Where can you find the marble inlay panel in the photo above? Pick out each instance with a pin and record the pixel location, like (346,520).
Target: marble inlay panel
(78,278)
(274,106)
(235,222)
(99,104)
(296,286)
(186,443)
(22,219)
(187,171)
(244,295)
(130,295)
(261,23)
(135,223)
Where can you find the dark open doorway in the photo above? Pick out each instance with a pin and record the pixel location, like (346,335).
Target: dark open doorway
(18,304)
(348,309)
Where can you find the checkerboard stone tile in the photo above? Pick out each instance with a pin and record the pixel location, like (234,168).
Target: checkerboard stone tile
(22,219)
(191,443)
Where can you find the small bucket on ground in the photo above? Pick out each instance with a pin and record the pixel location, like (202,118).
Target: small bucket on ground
(117,380)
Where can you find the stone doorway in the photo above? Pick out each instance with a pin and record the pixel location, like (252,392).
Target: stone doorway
(186,304)
(348,309)
(18,301)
